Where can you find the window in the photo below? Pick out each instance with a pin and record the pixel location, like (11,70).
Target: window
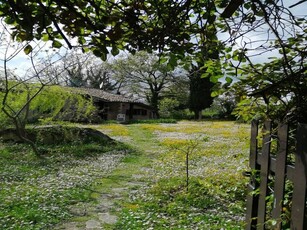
(142,112)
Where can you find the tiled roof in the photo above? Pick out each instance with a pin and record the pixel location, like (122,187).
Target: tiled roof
(102,95)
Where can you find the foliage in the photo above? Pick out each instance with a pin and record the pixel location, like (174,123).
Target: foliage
(53,102)
(200,92)
(144,76)
(167,107)
(28,96)
(274,87)
(185,30)
(223,105)
(82,70)
(202,77)
(126,25)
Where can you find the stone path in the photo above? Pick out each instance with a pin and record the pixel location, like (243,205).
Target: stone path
(102,215)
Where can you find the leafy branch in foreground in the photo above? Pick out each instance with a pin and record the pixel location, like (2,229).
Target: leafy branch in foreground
(30,97)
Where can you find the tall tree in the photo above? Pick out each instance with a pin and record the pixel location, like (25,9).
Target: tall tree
(200,92)
(86,70)
(144,76)
(201,75)
(77,69)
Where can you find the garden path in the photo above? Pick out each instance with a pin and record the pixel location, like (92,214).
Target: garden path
(130,175)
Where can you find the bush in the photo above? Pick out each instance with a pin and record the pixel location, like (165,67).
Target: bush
(56,135)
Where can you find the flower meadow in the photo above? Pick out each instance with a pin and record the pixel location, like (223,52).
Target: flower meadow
(37,193)
(143,175)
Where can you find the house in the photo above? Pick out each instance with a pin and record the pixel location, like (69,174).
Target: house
(116,107)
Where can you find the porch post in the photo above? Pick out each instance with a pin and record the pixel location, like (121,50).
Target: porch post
(131,111)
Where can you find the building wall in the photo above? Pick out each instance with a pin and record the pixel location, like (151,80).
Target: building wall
(111,110)
(139,112)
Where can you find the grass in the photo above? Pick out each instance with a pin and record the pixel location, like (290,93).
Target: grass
(167,205)
(38,193)
(216,196)
(153,121)
(113,129)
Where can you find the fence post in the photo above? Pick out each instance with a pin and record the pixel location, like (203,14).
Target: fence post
(264,174)
(279,184)
(299,191)
(252,199)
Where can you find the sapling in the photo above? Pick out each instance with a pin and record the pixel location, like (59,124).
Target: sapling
(187,148)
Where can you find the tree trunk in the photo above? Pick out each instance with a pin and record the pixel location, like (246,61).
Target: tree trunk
(200,116)
(154,103)
(131,112)
(196,114)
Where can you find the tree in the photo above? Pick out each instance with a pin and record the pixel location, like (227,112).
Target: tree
(110,26)
(129,25)
(30,96)
(77,69)
(224,104)
(274,88)
(202,76)
(167,107)
(144,76)
(200,92)
(85,70)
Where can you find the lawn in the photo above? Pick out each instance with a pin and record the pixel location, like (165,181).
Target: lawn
(146,185)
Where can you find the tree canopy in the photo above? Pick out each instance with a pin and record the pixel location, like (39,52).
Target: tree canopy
(240,31)
(144,76)
(200,92)
(131,25)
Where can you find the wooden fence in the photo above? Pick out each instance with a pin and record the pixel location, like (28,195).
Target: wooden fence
(270,172)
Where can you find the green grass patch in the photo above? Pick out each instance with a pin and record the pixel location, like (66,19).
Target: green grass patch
(217,189)
(36,193)
(39,192)
(154,121)
(113,129)
(167,205)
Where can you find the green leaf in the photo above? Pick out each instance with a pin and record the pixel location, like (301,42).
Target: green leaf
(204,75)
(81,40)
(214,78)
(163,60)
(56,44)
(172,61)
(114,50)
(215,93)
(28,49)
(45,37)
(229,80)
(49,30)
(9,20)
(96,52)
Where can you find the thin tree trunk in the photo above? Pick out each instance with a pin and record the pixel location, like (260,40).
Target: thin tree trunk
(200,115)
(187,171)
